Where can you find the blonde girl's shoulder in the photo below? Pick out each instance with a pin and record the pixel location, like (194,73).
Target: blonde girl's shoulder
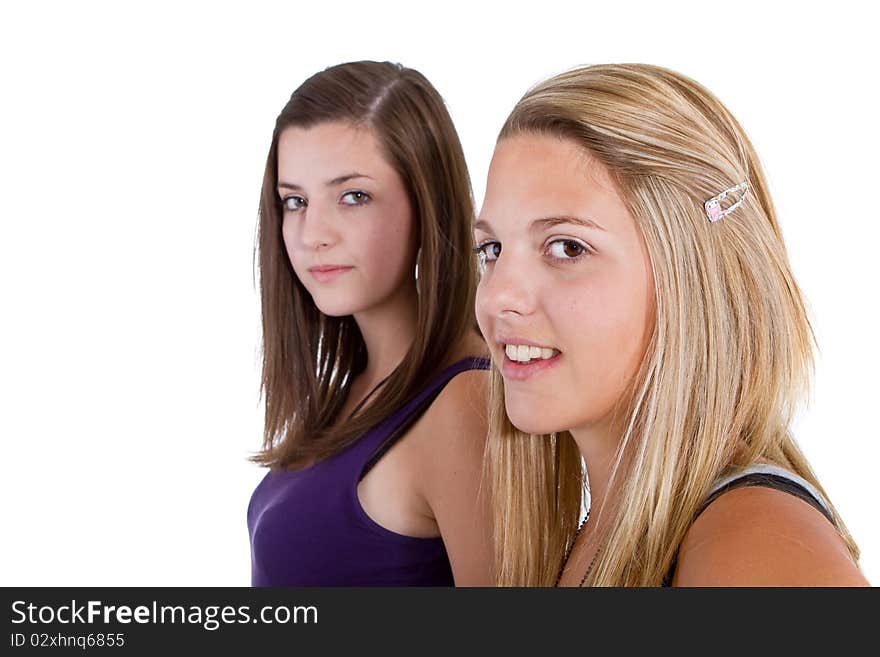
(760,536)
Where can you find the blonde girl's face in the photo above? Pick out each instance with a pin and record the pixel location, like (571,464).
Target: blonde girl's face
(347,221)
(566,299)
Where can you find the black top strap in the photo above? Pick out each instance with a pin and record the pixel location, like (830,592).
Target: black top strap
(768,480)
(765,480)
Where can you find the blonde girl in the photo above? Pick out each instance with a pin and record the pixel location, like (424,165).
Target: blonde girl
(643,320)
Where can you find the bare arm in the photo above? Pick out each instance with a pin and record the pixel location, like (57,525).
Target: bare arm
(757,536)
(453,441)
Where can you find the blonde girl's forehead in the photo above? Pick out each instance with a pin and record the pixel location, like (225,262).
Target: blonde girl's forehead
(535,176)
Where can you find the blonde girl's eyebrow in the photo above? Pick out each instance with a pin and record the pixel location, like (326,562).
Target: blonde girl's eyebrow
(547,222)
(338,180)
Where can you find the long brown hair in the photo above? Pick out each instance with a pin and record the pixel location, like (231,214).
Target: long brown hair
(730,357)
(309,358)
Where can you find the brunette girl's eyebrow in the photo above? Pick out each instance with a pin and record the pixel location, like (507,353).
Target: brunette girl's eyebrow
(547,222)
(330,183)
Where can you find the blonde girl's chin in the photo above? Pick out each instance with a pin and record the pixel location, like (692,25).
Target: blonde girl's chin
(534,423)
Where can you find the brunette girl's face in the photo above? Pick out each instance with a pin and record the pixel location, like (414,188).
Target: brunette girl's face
(347,220)
(566,298)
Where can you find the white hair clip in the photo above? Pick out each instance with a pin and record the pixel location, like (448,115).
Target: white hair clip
(713,205)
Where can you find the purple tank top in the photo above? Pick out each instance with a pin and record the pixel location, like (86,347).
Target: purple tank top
(308,528)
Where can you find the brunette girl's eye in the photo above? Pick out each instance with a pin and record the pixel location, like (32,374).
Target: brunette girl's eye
(355,197)
(293,203)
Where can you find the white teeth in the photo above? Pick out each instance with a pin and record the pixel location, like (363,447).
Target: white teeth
(525,353)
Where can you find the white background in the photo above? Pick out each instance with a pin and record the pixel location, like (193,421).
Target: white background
(133,142)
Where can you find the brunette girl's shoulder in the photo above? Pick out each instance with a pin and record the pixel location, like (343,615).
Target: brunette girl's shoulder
(471,344)
(461,407)
(452,437)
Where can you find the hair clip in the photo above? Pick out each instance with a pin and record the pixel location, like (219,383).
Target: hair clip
(713,205)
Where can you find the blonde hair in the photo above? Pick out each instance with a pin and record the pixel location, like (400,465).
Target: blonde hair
(731,353)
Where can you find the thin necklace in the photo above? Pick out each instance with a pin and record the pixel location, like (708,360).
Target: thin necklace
(569,551)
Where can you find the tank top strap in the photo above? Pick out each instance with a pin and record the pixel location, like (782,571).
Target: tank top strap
(764,475)
(380,438)
(771,476)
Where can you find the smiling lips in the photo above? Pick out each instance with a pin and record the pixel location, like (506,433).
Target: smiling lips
(524,353)
(523,361)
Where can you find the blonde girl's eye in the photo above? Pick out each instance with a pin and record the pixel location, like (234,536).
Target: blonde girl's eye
(293,203)
(355,197)
(567,250)
(488,251)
